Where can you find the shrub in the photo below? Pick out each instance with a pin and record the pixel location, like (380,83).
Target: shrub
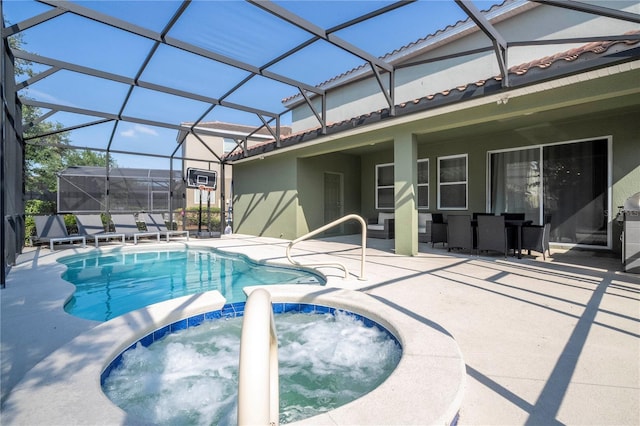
(191,218)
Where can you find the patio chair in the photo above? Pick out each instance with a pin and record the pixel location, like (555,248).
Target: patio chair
(155,222)
(51,229)
(424,227)
(513,216)
(536,237)
(459,232)
(90,225)
(126,224)
(493,234)
(382,226)
(438,229)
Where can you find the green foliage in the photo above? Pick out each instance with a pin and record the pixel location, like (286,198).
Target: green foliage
(46,147)
(32,208)
(191,216)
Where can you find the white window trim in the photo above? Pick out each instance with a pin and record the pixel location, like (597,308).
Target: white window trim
(210,194)
(425,160)
(465,182)
(378,166)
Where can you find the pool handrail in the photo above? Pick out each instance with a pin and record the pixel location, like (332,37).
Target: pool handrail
(258,382)
(324,228)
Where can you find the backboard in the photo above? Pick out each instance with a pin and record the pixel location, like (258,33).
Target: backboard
(197,178)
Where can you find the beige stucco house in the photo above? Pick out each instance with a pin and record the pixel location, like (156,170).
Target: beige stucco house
(558,134)
(205,151)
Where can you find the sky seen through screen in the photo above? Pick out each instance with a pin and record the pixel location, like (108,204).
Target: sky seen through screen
(235,29)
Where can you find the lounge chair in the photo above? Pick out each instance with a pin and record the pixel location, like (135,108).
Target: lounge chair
(126,224)
(51,229)
(90,225)
(155,222)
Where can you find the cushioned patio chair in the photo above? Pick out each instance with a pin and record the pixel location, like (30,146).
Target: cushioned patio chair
(459,232)
(536,237)
(126,224)
(424,227)
(493,234)
(155,222)
(381,227)
(51,230)
(438,229)
(91,226)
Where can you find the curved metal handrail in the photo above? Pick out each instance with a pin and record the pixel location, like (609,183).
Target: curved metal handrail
(258,382)
(324,228)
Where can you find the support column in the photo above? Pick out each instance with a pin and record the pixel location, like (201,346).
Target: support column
(405,153)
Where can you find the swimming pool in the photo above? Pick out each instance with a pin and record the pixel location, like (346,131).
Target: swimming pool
(111,284)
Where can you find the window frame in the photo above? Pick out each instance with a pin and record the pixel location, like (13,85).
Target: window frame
(379,187)
(464,182)
(423,207)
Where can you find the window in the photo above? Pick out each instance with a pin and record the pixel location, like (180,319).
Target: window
(452,182)
(384,186)
(567,182)
(423,184)
(206,195)
(228,145)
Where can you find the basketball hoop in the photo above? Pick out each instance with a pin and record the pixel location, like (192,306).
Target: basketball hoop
(205,188)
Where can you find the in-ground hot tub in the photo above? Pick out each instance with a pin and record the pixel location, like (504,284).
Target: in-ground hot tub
(426,387)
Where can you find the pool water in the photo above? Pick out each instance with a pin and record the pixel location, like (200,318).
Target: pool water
(112,284)
(190,377)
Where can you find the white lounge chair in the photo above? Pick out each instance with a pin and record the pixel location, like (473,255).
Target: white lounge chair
(126,224)
(90,225)
(155,222)
(51,229)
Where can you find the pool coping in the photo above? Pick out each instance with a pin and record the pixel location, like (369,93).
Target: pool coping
(64,388)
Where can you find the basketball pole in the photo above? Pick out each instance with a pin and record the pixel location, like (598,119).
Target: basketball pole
(200,214)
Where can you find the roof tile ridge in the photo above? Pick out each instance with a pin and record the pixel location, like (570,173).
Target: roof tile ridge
(407,46)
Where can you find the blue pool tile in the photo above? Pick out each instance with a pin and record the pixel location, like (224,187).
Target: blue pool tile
(228,311)
(278,308)
(179,325)
(306,308)
(323,309)
(291,307)
(147,340)
(195,320)
(161,332)
(213,315)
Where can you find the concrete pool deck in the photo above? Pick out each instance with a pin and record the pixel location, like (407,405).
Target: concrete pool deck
(555,342)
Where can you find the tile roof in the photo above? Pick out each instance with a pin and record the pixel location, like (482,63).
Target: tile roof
(491,85)
(398,54)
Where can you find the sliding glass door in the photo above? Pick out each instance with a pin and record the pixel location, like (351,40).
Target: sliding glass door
(567,182)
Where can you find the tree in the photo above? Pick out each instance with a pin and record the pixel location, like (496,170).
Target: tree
(48,155)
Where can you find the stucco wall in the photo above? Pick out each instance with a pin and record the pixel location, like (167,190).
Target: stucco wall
(283,196)
(266,197)
(311,182)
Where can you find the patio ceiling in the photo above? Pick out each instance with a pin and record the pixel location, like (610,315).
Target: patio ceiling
(110,70)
